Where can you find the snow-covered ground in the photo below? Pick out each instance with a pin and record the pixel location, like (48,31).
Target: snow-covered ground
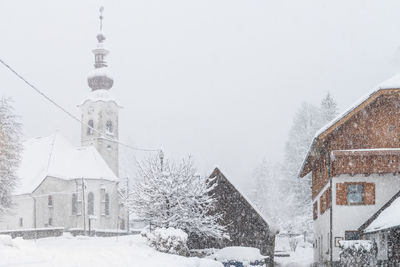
(93,252)
(302,257)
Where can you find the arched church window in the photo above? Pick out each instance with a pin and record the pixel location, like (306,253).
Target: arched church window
(90,127)
(107,204)
(50,201)
(74,204)
(109,127)
(90,205)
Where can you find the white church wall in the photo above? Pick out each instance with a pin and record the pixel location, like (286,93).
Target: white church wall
(52,214)
(58,213)
(22,210)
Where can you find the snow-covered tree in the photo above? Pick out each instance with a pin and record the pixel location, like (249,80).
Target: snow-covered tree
(174,195)
(307,121)
(10,148)
(268,187)
(328,109)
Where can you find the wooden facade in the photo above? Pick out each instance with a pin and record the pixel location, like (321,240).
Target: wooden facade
(365,140)
(245,225)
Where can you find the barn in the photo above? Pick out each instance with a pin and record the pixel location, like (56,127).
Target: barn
(245,225)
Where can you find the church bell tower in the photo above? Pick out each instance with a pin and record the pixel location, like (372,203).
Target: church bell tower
(100,109)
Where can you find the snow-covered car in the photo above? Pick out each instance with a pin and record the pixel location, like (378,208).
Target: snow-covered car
(239,257)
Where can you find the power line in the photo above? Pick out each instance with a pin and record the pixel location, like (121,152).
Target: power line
(102,136)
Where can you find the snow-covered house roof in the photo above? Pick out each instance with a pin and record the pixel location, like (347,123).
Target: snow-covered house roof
(389,85)
(54,156)
(385,218)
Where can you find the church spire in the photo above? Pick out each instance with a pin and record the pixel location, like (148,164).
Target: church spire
(100,79)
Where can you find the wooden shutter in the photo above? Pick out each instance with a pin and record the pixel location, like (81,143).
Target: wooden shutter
(315,210)
(369,194)
(341,194)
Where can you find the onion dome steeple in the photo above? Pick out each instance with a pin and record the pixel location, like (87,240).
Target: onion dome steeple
(99,78)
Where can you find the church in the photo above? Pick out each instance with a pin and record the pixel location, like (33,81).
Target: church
(66,188)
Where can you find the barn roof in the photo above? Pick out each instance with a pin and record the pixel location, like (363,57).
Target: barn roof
(388,86)
(388,216)
(217,172)
(54,156)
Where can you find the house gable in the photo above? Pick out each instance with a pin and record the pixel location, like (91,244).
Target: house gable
(339,125)
(359,142)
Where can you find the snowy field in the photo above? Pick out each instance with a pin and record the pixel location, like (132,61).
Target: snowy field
(94,252)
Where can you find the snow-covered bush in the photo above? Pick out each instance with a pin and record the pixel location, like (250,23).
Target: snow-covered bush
(6,240)
(168,240)
(358,253)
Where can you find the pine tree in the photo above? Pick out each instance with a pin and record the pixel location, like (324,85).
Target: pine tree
(170,195)
(328,109)
(10,148)
(268,188)
(307,121)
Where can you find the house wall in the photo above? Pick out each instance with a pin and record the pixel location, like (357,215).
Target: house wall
(350,218)
(321,231)
(22,208)
(61,210)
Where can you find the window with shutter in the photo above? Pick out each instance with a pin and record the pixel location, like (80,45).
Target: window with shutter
(355,193)
(324,201)
(315,210)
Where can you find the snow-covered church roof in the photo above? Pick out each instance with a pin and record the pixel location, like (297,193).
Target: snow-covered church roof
(54,156)
(389,84)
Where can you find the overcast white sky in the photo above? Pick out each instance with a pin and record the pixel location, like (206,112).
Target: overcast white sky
(218,79)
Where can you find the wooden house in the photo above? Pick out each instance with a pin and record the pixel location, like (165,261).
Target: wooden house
(245,225)
(355,165)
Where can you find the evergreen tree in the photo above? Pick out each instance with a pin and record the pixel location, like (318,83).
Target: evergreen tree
(10,148)
(268,188)
(328,109)
(307,121)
